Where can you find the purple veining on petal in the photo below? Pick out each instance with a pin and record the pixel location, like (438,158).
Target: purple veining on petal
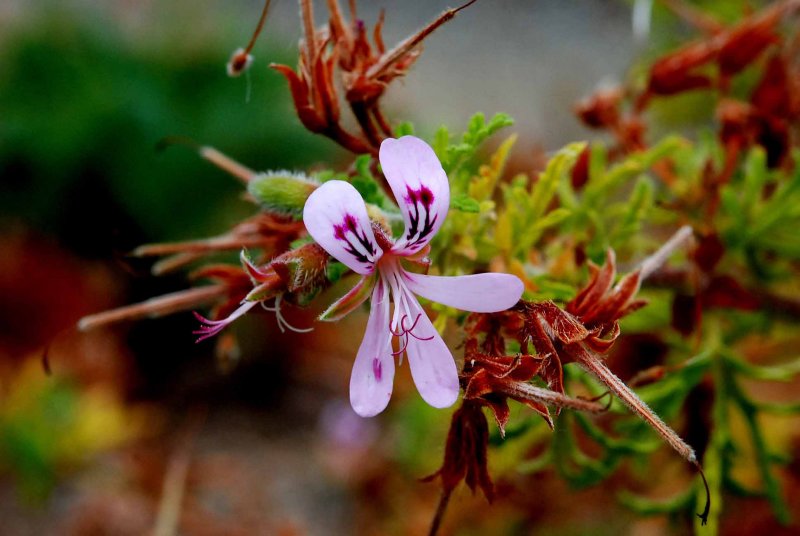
(350,225)
(419,200)
(377,368)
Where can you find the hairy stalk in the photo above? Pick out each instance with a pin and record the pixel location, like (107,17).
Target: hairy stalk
(225,163)
(220,243)
(174,262)
(528,391)
(595,366)
(156,307)
(592,364)
(652,263)
(241,172)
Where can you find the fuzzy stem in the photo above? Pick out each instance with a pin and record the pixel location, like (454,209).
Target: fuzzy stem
(220,243)
(528,391)
(652,263)
(595,366)
(241,172)
(155,307)
(174,262)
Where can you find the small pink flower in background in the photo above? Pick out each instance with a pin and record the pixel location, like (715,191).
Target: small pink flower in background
(336,217)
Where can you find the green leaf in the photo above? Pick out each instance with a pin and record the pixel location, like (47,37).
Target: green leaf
(465,203)
(406,128)
(557,168)
(554,217)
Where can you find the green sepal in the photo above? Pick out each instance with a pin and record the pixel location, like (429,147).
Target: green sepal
(262,292)
(350,301)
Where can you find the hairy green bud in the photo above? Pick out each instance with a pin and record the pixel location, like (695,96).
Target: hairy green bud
(282,192)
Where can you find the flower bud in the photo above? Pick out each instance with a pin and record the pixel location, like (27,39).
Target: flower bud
(282,192)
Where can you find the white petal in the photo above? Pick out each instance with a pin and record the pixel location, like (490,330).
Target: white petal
(420,187)
(336,217)
(373,371)
(479,293)
(432,365)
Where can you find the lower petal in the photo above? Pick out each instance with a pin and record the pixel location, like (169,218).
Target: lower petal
(432,365)
(479,293)
(373,371)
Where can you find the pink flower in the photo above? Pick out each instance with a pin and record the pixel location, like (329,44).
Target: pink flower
(336,217)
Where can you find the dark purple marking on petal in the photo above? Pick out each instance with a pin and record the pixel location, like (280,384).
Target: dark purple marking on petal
(377,368)
(419,200)
(350,225)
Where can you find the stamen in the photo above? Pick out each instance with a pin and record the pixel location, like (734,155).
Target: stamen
(282,322)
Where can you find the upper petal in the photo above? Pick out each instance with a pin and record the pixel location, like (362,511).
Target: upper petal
(420,187)
(373,371)
(479,293)
(432,366)
(336,217)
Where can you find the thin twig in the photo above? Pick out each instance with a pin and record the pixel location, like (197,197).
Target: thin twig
(441,508)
